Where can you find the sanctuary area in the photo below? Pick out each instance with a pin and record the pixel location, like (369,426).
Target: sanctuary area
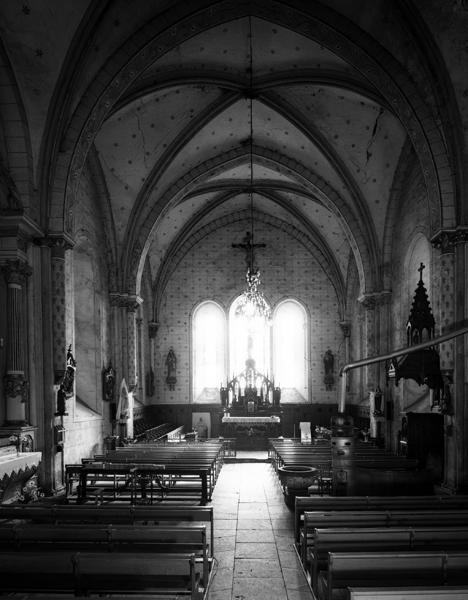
(233,299)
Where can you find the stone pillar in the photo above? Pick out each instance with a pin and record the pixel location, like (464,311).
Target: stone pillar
(375,307)
(152,331)
(346,330)
(452,263)
(140,360)
(128,305)
(16,273)
(57,306)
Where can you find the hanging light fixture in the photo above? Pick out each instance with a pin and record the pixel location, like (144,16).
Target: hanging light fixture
(252,303)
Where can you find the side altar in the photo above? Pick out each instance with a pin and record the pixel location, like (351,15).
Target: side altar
(252,411)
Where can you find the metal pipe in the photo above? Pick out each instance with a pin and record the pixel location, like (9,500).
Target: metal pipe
(408,350)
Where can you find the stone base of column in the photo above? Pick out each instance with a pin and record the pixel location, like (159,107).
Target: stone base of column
(446,489)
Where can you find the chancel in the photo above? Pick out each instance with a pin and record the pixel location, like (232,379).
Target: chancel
(233,299)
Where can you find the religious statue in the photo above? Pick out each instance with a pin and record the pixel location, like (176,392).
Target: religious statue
(171,368)
(328,364)
(69,377)
(67,385)
(108,381)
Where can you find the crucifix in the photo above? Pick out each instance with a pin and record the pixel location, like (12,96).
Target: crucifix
(421,269)
(249,248)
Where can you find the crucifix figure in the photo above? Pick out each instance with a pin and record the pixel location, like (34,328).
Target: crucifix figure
(249,247)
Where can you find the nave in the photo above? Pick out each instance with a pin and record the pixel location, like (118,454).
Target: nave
(254,537)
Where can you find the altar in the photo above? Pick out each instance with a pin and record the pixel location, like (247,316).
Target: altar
(251,432)
(252,412)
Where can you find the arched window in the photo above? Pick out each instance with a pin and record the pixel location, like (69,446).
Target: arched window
(290,351)
(208,351)
(249,338)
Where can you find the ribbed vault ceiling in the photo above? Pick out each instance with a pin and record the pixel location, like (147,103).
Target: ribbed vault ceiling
(175,152)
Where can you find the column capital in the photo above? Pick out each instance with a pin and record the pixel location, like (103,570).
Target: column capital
(125,300)
(373,299)
(58,242)
(345,328)
(16,385)
(445,240)
(16,271)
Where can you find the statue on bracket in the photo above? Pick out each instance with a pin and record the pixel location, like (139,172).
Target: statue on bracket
(328,365)
(67,384)
(108,383)
(171,369)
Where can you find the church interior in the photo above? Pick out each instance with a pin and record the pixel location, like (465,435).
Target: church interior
(234,316)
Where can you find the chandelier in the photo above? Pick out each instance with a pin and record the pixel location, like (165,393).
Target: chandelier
(252,303)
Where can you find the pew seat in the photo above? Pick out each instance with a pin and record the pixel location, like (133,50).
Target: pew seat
(382,519)
(386,569)
(311,503)
(84,573)
(374,539)
(115,514)
(408,593)
(107,538)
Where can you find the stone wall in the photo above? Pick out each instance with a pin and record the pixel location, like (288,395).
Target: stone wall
(214,270)
(88,420)
(410,248)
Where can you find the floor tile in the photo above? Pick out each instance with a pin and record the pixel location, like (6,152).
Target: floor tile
(261,588)
(255,535)
(254,524)
(256,567)
(255,550)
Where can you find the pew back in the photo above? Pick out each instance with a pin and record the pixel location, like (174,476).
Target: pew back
(383,569)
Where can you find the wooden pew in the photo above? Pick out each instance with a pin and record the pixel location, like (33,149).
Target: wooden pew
(118,477)
(84,573)
(391,518)
(408,593)
(115,514)
(376,539)
(303,503)
(32,537)
(174,470)
(383,569)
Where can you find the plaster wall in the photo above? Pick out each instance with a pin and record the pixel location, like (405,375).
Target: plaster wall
(213,269)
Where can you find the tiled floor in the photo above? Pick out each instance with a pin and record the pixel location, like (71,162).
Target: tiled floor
(253,544)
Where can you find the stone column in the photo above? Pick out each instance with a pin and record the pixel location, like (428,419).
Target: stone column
(152,331)
(140,360)
(16,273)
(375,306)
(57,311)
(453,309)
(128,305)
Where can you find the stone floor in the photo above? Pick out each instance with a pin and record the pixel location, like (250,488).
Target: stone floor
(254,537)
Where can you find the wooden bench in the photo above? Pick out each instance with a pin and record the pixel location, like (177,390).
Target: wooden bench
(107,538)
(112,514)
(177,471)
(303,503)
(384,569)
(124,480)
(382,519)
(376,539)
(84,573)
(408,593)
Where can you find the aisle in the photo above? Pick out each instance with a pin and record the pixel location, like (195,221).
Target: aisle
(254,538)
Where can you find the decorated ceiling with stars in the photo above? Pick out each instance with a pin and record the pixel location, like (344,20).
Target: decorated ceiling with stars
(245,112)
